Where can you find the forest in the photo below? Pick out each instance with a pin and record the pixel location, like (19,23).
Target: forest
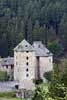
(42,20)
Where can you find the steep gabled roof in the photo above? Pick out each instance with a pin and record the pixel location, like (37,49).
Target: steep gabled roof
(24,46)
(7,61)
(41,50)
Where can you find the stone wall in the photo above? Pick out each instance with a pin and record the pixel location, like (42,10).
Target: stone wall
(46,65)
(24,66)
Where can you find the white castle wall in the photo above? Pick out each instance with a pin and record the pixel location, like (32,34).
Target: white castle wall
(46,64)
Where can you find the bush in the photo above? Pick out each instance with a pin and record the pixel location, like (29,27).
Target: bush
(38,81)
(3,76)
(42,93)
(56,48)
(48,75)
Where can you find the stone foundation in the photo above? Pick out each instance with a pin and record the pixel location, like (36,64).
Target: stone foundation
(24,93)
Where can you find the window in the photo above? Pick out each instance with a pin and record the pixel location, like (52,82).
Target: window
(27,63)
(27,51)
(27,69)
(12,66)
(48,52)
(7,66)
(27,75)
(16,86)
(27,58)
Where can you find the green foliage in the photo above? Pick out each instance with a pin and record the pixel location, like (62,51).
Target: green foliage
(64,75)
(63,30)
(27,18)
(58,89)
(56,48)
(42,93)
(8,94)
(38,81)
(3,76)
(48,75)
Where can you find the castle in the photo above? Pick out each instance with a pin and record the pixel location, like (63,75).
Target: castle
(30,62)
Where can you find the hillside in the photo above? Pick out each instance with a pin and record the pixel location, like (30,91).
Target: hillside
(44,20)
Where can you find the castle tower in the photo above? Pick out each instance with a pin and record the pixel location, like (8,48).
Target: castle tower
(24,65)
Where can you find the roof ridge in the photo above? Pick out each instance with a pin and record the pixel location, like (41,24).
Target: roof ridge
(24,45)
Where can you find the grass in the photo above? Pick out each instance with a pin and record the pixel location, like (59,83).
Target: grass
(10,99)
(8,96)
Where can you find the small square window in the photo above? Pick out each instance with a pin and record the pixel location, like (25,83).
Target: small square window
(27,63)
(16,86)
(27,75)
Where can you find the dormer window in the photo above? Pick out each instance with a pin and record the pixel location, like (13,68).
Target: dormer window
(48,52)
(26,45)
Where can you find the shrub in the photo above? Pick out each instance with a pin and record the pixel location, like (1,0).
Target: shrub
(56,48)
(38,81)
(42,93)
(3,76)
(48,75)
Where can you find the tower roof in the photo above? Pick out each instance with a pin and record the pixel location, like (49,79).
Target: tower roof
(24,46)
(40,49)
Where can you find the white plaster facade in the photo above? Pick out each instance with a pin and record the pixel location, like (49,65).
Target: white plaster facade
(46,65)
(22,64)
